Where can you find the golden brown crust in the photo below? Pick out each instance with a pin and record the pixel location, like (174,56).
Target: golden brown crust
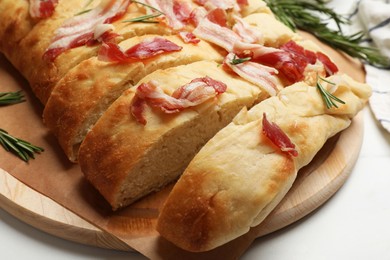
(15,23)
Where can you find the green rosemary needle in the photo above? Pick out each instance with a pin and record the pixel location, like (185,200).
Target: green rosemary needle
(83,12)
(329,99)
(9,98)
(301,14)
(145,18)
(23,149)
(85,8)
(236,60)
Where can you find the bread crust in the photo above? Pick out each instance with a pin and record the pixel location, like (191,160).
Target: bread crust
(15,24)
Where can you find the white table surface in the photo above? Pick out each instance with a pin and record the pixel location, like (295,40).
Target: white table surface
(353,224)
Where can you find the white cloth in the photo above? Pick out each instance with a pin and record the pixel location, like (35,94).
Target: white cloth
(373,18)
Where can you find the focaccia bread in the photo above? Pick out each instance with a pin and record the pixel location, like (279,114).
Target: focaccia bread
(240,175)
(134,89)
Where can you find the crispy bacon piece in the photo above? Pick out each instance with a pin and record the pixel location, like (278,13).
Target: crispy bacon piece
(110,51)
(218,16)
(182,11)
(255,73)
(212,32)
(246,32)
(197,15)
(41,9)
(330,67)
(176,13)
(79,30)
(192,94)
(189,37)
(279,138)
(290,60)
(242,2)
(223,4)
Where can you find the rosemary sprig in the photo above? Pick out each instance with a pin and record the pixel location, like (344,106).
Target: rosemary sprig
(329,99)
(145,18)
(9,98)
(236,60)
(21,148)
(305,15)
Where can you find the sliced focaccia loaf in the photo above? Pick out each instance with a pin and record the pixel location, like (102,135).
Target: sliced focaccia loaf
(243,172)
(85,92)
(149,134)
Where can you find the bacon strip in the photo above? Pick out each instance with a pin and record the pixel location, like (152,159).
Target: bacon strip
(246,32)
(176,13)
(111,52)
(189,37)
(276,135)
(212,32)
(290,60)
(79,30)
(255,73)
(42,8)
(223,4)
(330,67)
(192,94)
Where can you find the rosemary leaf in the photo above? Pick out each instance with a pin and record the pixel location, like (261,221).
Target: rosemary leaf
(305,15)
(236,60)
(9,98)
(148,6)
(23,149)
(83,12)
(85,8)
(145,18)
(329,99)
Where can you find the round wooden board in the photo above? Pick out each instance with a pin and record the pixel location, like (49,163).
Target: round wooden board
(315,184)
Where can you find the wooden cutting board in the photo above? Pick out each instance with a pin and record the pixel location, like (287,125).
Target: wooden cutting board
(315,184)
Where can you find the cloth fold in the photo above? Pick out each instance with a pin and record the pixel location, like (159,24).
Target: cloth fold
(373,18)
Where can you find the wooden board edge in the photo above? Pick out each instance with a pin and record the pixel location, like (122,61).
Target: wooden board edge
(46,215)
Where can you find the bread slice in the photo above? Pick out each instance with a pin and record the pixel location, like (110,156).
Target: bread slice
(126,160)
(239,176)
(85,92)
